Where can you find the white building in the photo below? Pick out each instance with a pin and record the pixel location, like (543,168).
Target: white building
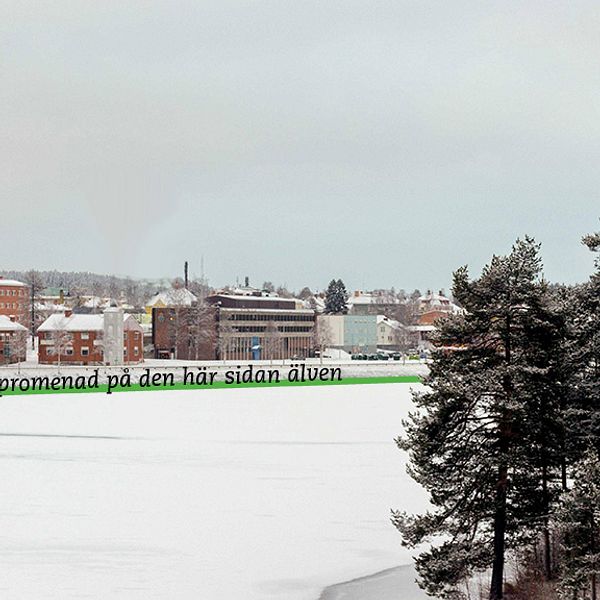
(390,333)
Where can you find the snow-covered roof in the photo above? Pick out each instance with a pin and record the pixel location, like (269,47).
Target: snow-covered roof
(12,283)
(96,302)
(421,328)
(75,322)
(434,298)
(391,322)
(7,325)
(368,299)
(173,297)
(50,306)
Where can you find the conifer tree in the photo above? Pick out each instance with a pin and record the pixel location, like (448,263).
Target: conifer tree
(579,520)
(470,441)
(336,297)
(587,355)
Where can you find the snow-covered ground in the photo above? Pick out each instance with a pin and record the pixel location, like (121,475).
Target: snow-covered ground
(241,493)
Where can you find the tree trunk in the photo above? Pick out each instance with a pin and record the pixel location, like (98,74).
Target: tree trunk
(546,530)
(505,431)
(496,586)
(593,549)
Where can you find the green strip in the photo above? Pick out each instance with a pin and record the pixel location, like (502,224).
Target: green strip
(136,387)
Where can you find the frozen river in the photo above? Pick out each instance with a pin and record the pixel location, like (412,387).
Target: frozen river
(247,493)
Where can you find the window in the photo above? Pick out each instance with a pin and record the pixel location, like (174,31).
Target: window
(69,352)
(135,351)
(85,336)
(85,351)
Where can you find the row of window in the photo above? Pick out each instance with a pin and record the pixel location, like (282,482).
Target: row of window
(85,351)
(6,336)
(263,328)
(11,305)
(83,335)
(4,292)
(266,317)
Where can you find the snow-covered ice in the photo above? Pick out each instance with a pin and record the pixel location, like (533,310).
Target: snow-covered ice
(212,494)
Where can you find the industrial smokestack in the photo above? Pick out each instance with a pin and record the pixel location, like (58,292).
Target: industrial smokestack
(185,274)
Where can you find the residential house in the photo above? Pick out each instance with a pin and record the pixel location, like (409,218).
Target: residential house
(90,339)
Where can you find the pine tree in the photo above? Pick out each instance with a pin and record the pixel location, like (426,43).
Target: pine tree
(470,441)
(579,520)
(586,354)
(336,297)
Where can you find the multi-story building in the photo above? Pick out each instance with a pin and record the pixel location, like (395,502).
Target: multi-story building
(81,339)
(258,327)
(14,300)
(13,341)
(351,333)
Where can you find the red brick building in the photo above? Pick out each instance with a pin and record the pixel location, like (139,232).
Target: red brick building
(13,341)
(78,339)
(185,333)
(14,300)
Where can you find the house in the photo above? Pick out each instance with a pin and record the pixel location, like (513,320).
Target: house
(373,303)
(391,334)
(430,302)
(90,339)
(13,341)
(14,300)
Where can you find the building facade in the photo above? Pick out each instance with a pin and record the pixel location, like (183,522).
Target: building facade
(14,300)
(257,327)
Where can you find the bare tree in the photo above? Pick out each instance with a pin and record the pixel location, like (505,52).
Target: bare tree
(61,341)
(36,283)
(225,340)
(179,302)
(323,336)
(16,346)
(200,320)
(272,341)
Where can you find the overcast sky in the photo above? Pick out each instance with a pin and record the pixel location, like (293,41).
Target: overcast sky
(386,143)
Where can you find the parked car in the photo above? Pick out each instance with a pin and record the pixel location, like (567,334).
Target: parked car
(396,356)
(382,356)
